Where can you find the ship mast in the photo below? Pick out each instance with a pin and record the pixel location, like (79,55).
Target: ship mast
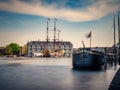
(54,32)
(59,37)
(119,38)
(114,42)
(114,31)
(47,38)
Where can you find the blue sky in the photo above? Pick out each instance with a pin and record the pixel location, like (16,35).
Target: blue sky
(25,20)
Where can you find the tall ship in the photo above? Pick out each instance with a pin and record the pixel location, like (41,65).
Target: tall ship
(50,48)
(56,51)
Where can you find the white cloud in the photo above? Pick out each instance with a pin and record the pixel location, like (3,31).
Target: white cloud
(92,12)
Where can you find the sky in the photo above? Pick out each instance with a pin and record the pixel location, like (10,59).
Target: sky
(26,20)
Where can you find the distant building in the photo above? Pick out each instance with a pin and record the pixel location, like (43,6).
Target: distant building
(22,51)
(39,46)
(103,49)
(2,50)
(116,46)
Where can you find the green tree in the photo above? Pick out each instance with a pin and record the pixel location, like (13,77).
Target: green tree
(9,50)
(13,48)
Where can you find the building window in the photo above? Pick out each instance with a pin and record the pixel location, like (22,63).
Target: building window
(64,46)
(69,46)
(59,46)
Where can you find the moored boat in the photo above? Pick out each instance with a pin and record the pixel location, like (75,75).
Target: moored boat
(57,53)
(37,54)
(86,58)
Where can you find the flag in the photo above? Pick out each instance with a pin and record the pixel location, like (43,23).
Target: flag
(88,35)
(55,19)
(48,19)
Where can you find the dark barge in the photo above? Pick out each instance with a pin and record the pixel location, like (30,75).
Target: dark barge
(85,58)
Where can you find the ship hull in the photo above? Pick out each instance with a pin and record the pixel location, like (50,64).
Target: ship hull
(58,53)
(86,61)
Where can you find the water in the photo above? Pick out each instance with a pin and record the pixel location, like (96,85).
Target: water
(50,74)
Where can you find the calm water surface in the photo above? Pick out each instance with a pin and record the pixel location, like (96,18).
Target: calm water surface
(50,74)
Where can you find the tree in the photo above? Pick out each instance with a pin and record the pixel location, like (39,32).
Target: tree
(9,50)
(13,48)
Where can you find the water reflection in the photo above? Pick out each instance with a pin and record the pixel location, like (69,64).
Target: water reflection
(50,74)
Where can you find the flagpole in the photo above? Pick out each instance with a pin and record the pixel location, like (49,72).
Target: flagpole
(90,39)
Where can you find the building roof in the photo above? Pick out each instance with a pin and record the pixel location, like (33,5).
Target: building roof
(44,42)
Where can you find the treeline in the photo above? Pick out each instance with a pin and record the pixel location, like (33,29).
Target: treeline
(13,49)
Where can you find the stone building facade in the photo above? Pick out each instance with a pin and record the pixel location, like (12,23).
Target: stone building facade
(39,46)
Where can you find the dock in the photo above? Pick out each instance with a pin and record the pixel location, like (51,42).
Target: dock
(115,84)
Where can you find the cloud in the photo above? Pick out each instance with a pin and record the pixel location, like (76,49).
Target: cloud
(97,10)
